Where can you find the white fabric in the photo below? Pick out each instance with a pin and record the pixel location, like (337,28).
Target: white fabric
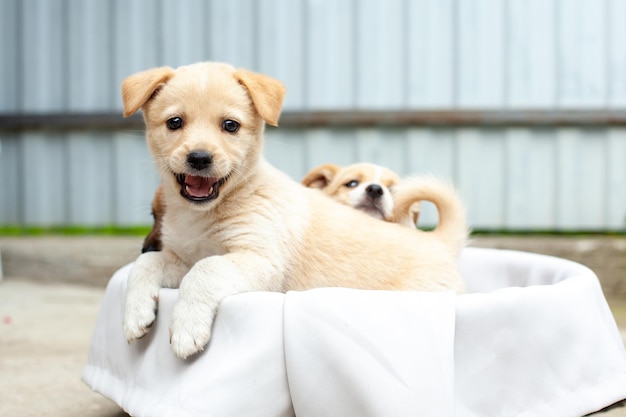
(364,353)
(533,337)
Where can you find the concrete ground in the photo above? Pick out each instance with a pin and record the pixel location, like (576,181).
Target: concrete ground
(49,300)
(45,331)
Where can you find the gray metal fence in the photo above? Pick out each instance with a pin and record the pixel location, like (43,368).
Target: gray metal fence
(522,103)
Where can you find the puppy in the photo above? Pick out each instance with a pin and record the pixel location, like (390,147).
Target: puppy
(152,242)
(380,193)
(363,186)
(233,223)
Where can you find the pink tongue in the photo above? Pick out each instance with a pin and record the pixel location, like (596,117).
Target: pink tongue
(199,186)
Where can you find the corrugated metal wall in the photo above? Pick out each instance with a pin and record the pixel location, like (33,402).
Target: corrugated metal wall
(70,56)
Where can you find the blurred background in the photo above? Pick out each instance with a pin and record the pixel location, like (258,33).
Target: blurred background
(521,103)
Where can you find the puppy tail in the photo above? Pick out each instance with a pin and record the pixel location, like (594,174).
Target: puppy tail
(452,229)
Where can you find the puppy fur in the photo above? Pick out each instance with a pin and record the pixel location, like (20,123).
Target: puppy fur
(367,187)
(234,223)
(363,186)
(452,227)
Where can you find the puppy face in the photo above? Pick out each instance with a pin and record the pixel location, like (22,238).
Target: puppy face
(204,125)
(363,186)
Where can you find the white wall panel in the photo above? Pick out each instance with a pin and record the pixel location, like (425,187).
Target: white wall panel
(432,151)
(137,35)
(616,178)
(382,147)
(481,39)
(43,59)
(279,45)
(582,49)
(330,146)
(12,187)
(345,54)
(330,55)
(569,165)
(616,65)
(592,174)
(430,66)
(531,61)
(531,181)
(43,177)
(184,33)
(134,179)
(89,178)
(9,46)
(482,176)
(287,150)
(89,88)
(233,32)
(381,59)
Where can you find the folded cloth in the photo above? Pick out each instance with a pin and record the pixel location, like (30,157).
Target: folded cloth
(370,353)
(539,340)
(533,337)
(241,372)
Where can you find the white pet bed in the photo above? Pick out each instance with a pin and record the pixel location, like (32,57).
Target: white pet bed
(533,337)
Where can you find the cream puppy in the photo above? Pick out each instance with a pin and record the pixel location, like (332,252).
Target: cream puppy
(234,223)
(363,186)
(379,192)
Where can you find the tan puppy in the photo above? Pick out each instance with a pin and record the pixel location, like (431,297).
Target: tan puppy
(363,186)
(379,192)
(234,223)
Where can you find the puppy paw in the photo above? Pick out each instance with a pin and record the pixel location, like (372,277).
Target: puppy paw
(139,316)
(190,331)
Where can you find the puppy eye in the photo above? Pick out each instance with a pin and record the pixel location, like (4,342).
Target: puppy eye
(174,123)
(352,184)
(230,126)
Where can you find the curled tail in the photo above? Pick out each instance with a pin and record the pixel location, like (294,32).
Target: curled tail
(452,229)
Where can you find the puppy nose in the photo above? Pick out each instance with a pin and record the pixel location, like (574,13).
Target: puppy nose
(374,191)
(199,160)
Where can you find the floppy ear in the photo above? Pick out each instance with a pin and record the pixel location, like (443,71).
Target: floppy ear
(321,176)
(138,88)
(266,93)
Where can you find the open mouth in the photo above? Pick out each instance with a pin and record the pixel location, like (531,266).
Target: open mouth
(199,189)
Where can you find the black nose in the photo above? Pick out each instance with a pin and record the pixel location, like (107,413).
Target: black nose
(199,160)
(374,191)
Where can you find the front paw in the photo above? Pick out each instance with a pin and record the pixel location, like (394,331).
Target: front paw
(139,315)
(190,330)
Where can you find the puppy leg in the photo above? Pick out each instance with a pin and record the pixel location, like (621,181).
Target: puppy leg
(208,282)
(151,271)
